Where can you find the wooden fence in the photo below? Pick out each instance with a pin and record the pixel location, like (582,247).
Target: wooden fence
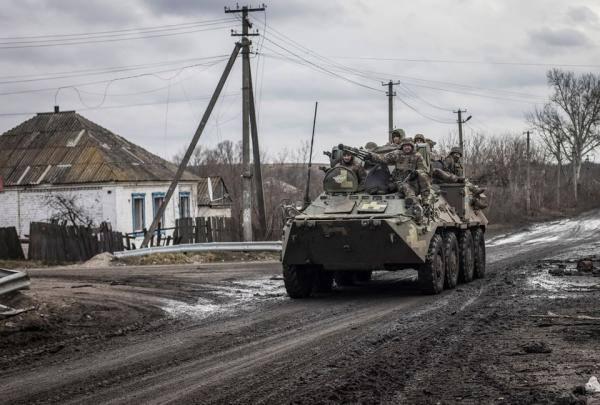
(54,243)
(10,245)
(203,229)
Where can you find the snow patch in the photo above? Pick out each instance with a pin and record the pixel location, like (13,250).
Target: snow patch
(227,298)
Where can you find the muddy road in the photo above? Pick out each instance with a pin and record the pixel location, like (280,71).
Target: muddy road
(227,333)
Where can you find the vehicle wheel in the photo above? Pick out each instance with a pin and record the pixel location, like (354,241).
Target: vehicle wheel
(452,260)
(323,281)
(431,273)
(298,280)
(344,278)
(465,255)
(479,253)
(363,276)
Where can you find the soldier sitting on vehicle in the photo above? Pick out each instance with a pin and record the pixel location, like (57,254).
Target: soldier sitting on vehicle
(452,162)
(410,173)
(398,135)
(349,162)
(454,173)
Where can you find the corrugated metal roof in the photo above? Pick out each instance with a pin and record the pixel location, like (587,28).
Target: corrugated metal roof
(66,148)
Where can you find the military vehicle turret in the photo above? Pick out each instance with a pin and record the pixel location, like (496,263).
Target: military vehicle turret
(352,229)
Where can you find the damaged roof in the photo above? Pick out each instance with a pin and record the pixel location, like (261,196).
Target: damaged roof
(213,192)
(66,148)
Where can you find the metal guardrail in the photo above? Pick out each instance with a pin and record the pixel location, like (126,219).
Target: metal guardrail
(11,280)
(272,246)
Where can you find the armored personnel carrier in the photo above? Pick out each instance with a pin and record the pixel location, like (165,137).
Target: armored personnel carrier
(350,230)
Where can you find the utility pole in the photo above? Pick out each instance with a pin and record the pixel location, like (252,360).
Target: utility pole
(558,170)
(246,106)
(460,131)
(528,186)
(391,94)
(192,146)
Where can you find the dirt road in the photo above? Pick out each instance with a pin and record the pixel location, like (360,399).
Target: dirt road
(226,333)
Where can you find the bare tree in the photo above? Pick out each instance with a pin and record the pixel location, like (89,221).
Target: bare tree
(569,123)
(67,209)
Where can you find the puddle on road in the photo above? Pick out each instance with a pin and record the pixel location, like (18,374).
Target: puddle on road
(228,298)
(564,284)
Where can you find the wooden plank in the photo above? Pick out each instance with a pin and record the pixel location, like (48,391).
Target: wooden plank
(209,230)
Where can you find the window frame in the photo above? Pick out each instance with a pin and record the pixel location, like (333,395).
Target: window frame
(134,197)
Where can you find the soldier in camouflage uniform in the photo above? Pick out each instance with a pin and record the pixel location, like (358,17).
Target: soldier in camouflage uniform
(451,170)
(398,135)
(349,162)
(453,164)
(410,174)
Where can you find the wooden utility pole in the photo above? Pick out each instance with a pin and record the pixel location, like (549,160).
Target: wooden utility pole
(528,186)
(391,94)
(460,130)
(186,158)
(246,111)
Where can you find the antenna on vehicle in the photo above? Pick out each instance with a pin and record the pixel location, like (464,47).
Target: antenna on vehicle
(312,140)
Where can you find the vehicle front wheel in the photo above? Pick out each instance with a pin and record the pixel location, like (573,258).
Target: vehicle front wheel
(479,253)
(298,280)
(432,272)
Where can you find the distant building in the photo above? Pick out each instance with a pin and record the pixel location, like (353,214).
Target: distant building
(62,154)
(213,198)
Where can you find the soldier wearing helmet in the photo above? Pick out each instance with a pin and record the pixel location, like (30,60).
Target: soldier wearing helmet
(410,173)
(349,162)
(398,135)
(452,162)
(419,138)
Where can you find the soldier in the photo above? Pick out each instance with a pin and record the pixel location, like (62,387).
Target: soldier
(350,163)
(410,173)
(423,149)
(398,135)
(419,138)
(453,164)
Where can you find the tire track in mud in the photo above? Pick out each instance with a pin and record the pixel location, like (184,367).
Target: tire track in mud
(184,382)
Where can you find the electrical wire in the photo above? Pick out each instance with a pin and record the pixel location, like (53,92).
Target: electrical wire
(97,71)
(107,40)
(212,63)
(109,107)
(119,30)
(470,62)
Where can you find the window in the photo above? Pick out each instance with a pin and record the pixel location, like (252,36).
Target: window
(184,204)
(157,200)
(138,212)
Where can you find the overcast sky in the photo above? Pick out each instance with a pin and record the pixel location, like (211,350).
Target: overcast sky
(489,57)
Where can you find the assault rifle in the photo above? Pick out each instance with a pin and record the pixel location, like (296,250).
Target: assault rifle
(359,153)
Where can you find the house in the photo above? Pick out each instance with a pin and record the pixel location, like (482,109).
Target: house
(62,157)
(213,198)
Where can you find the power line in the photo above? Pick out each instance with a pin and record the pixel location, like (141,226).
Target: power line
(109,107)
(86,42)
(155,74)
(471,62)
(98,71)
(119,30)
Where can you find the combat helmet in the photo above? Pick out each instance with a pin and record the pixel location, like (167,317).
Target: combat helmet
(398,132)
(370,146)
(407,141)
(456,149)
(419,138)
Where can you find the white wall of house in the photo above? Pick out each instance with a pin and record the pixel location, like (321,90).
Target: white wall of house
(110,203)
(126,193)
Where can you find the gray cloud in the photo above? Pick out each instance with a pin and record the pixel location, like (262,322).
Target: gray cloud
(558,38)
(582,15)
